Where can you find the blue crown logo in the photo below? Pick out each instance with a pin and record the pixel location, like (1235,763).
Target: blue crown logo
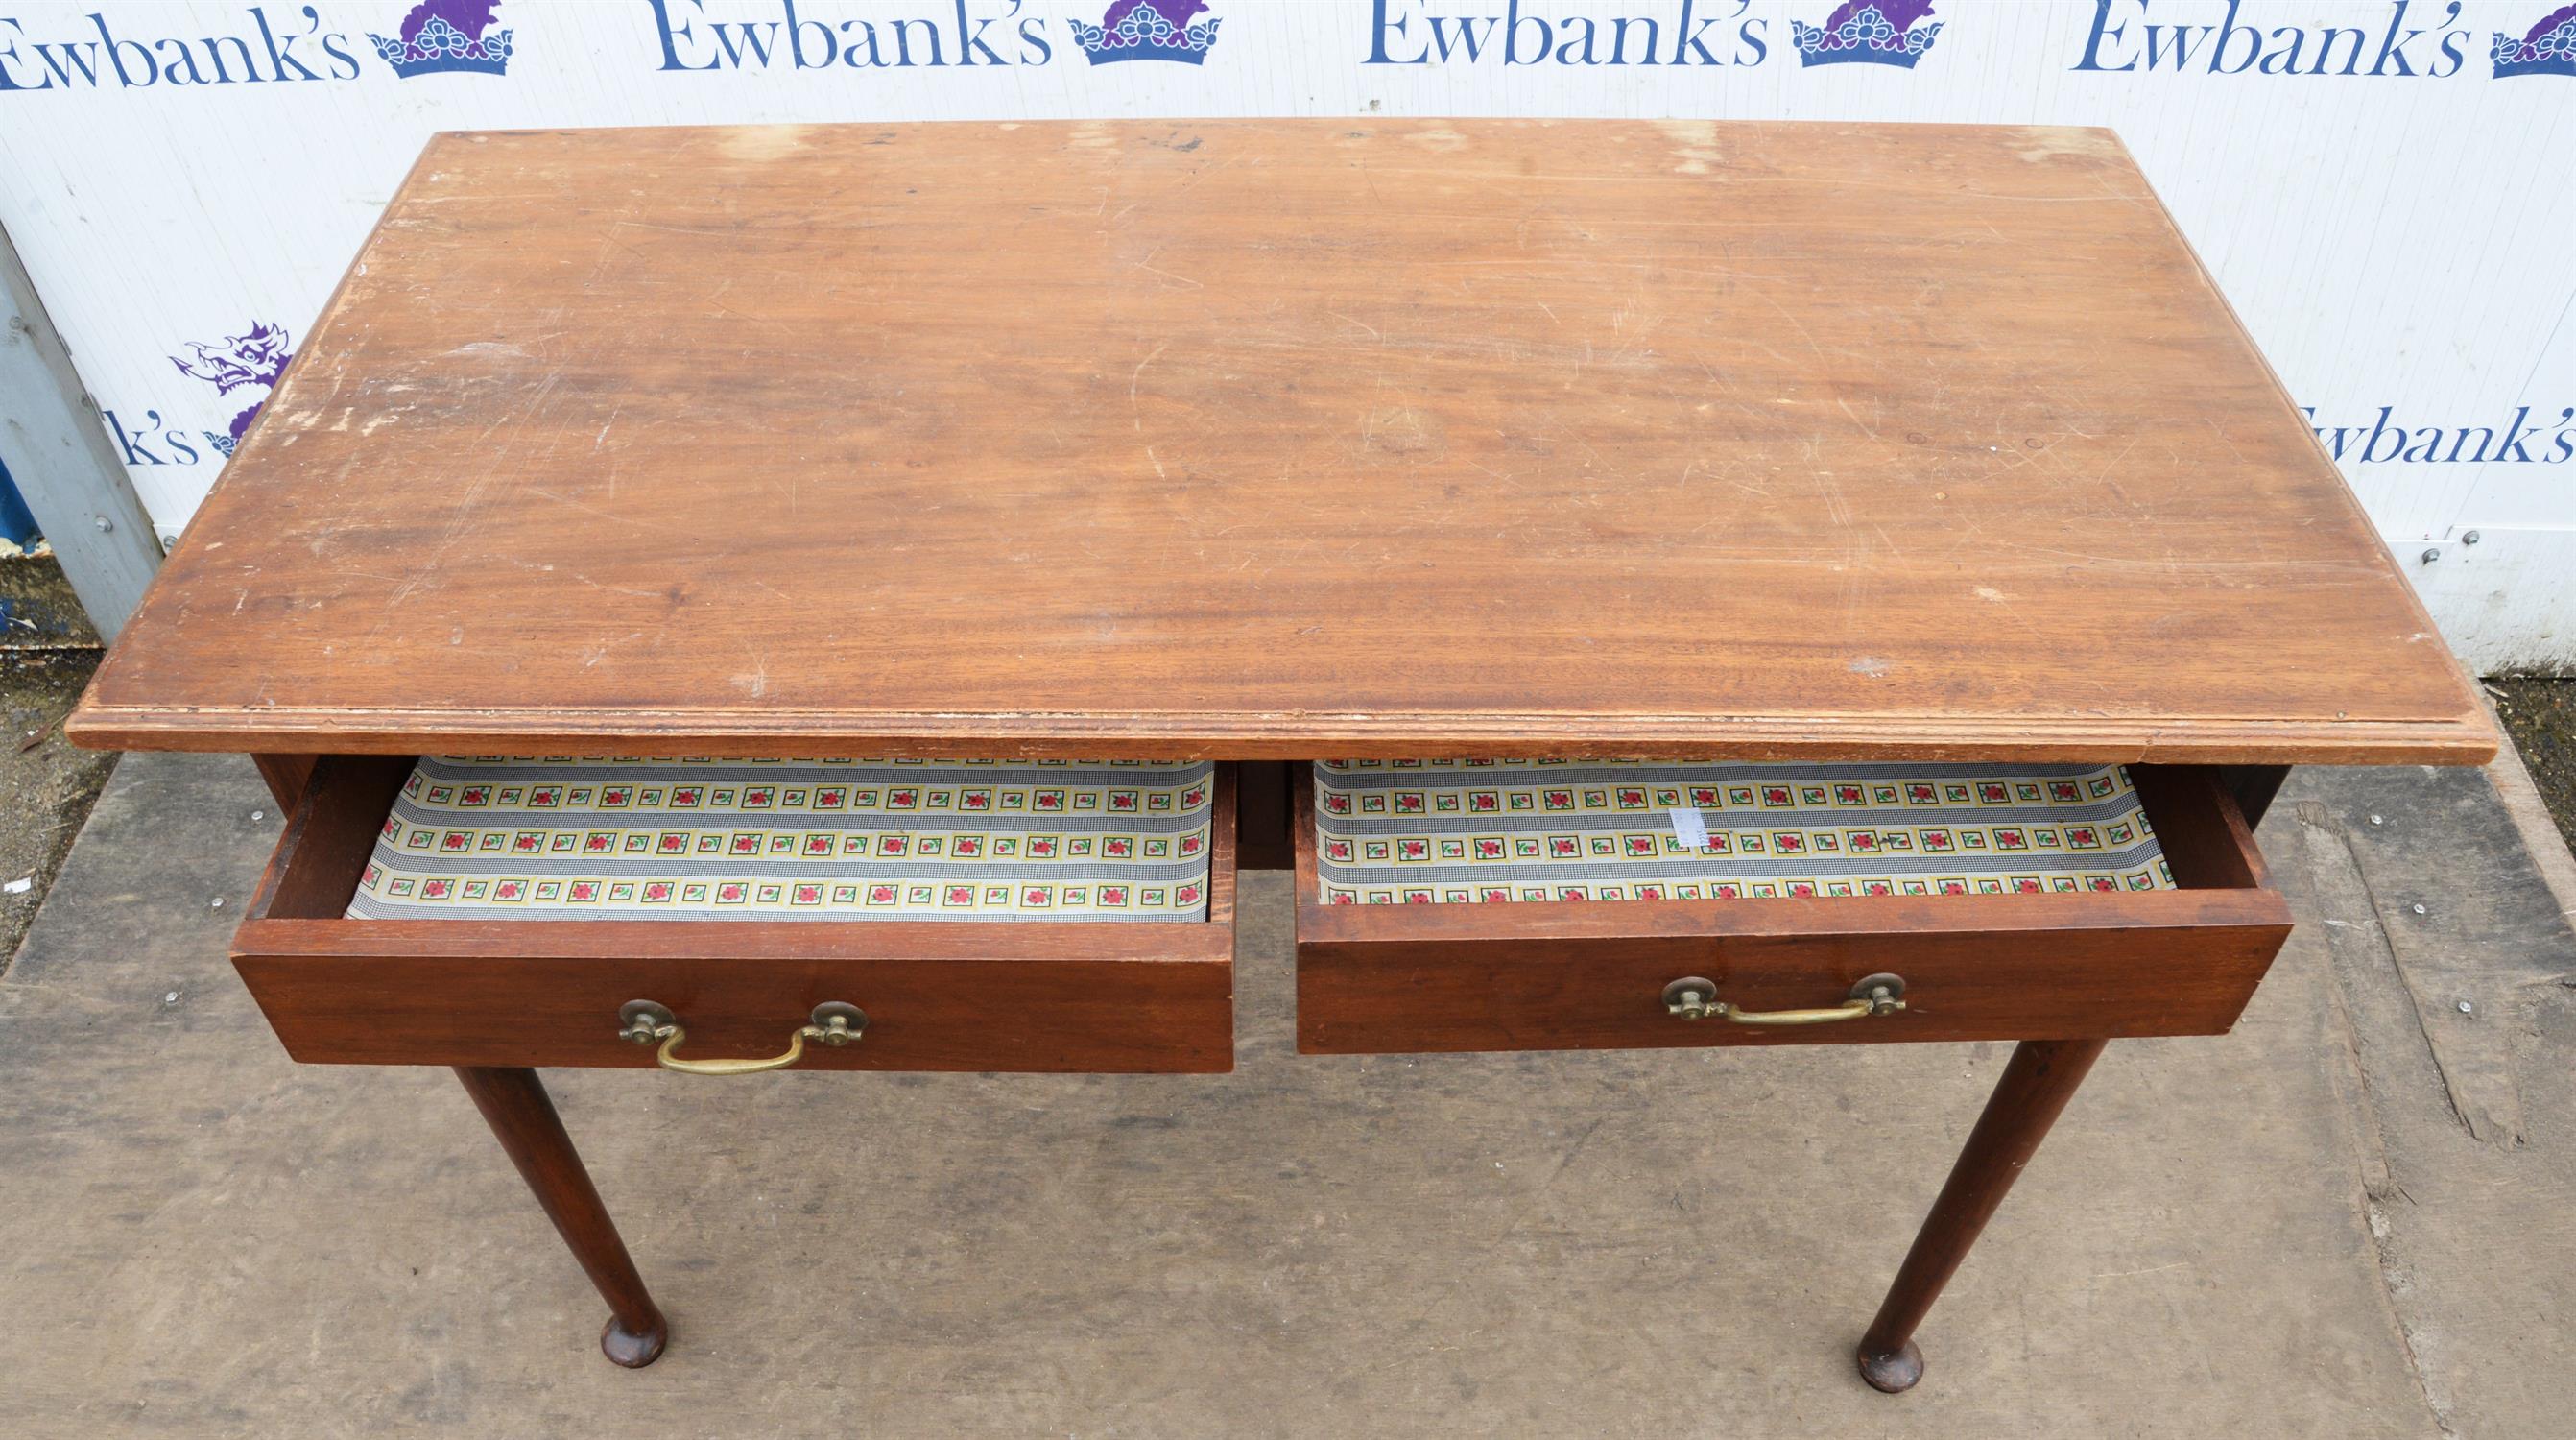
(1868,32)
(2549,48)
(444,35)
(1148,30)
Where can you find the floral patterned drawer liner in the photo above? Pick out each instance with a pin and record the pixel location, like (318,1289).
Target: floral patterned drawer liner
(500,838)
(1467,831)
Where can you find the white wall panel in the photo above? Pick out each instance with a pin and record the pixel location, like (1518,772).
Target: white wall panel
(2403,245)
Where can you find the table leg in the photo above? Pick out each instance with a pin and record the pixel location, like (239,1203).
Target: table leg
(286,776)
(2036,1085)
(514,1103)
(2253,786)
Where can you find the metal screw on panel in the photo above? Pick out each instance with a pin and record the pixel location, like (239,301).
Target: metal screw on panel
(218,903)
(2469,539)
(259,814)
(169,542)
(2465,1010)
(2432,554)
(2378,820)
(2420,910)
(105,524)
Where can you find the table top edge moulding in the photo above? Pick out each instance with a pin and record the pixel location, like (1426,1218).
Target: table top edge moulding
(1272,439)
(1152,736)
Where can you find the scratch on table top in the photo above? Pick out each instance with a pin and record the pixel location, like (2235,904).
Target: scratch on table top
(1168,275)
(466,508)
(721,232)
(598,650)
(1137,377)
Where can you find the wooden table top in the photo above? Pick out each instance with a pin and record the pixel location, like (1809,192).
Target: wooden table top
(1285,439)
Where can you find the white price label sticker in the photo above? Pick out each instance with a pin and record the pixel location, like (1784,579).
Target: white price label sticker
(1690,829)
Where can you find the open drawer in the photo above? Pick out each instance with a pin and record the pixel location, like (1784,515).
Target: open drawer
(935,995)
(1617,974)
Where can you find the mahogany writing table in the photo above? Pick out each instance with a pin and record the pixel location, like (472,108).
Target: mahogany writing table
(1267,441)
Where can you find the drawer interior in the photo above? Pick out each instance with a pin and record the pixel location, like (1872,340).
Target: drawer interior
(1045,995)
(1592,973)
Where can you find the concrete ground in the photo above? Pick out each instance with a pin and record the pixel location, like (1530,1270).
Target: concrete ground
(2347,1219)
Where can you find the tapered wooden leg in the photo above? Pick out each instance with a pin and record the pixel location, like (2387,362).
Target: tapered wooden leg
(2036,1085)
(2254,786)
(515,1104)
(286,776)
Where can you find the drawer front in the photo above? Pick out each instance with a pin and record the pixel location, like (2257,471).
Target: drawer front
(1603,975)
(1014,996)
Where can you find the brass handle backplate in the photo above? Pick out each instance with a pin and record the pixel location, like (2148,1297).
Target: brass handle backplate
(647,1023)
(1694,998)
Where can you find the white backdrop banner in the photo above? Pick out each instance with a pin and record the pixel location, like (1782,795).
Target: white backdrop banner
(2385,189)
